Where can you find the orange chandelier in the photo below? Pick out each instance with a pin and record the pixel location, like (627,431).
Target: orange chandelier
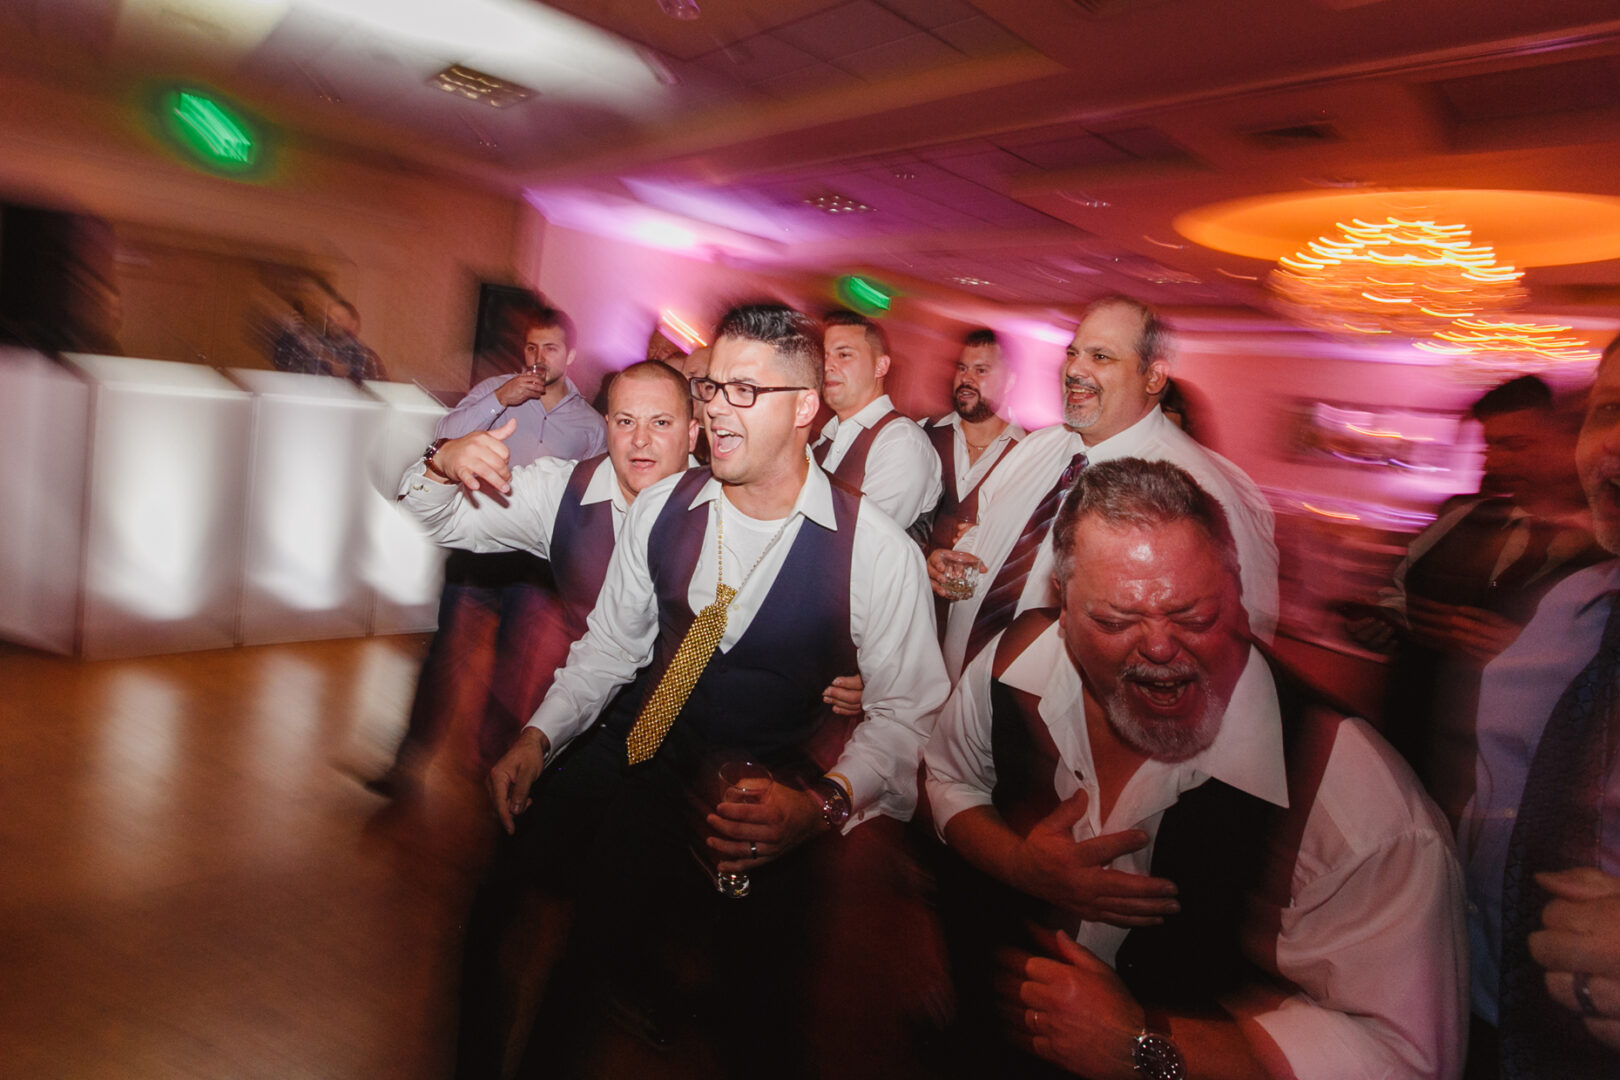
(1395,277)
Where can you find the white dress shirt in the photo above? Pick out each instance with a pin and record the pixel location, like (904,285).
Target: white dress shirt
(1517,693)
(890,624)
(1373,937)
(480,523)
(902,470)
(1012,492)
(969,472)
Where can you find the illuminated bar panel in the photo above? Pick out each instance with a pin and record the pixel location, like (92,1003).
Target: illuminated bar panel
(404,569)
(168,453)
(313,437)
(44,430)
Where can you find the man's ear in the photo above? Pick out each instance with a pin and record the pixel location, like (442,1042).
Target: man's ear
(692,435)
(569,362)
(804,412)
(1158,374)
(882,365)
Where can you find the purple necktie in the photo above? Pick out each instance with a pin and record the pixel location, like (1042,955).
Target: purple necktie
(1001,602)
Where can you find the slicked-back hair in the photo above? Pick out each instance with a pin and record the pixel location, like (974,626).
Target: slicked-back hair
(1515,395)
(656,371)
(876,339)
(980,338)
(793,334)
(1153,342)
(1135,493)
(530,313)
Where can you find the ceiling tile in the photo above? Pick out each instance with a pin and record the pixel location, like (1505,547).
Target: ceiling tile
(758,58)
(918,52)
(931,13)
(847,29)
(817,76)
(979,36)
(1070,153)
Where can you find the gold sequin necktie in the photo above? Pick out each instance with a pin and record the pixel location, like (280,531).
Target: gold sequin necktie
(696,648)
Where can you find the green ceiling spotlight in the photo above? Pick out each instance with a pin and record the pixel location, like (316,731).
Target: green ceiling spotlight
(210,132)
(864,295)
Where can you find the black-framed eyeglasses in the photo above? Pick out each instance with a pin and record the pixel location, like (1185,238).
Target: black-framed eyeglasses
(740,394)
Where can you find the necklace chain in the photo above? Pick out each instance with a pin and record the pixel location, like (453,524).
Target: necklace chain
(720,544)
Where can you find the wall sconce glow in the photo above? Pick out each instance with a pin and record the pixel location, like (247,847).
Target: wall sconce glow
(685,336)
(1509,345)
(210,132)
(664,234)
(864,295)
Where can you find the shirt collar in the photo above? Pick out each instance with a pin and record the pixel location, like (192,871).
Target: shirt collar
(1247,753)
(1132,439)
(869,414)
(604,485)
(814,501)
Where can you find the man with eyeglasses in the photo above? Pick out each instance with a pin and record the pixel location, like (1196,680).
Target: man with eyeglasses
(734,597)
(868,445)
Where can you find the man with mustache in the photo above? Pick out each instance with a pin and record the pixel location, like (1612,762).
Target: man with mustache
(1111,375)
(1541,838)
(1235,880)
(868,445)
(972,439)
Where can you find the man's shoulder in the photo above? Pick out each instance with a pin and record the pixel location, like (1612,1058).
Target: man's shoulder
(1368,799)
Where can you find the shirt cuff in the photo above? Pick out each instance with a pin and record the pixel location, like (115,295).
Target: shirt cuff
(419,488)
(947,798)
(1322,1042)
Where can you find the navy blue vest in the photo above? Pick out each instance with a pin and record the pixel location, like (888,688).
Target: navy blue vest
(581,547)
(1230,854)
(764,695)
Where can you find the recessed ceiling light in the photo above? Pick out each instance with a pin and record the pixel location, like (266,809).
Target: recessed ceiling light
(964,280)
(476,85)
(830,202)
(1080,198)
(684,10)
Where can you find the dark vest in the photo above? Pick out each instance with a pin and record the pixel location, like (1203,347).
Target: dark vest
(762,697)
(953,512)
(581,547)
(1230,854)
(851,471)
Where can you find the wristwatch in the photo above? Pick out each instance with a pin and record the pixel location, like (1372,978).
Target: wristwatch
(1156,1057)
(834,801)
(428,454)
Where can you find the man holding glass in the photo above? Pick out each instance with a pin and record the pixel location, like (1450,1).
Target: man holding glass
(738,593)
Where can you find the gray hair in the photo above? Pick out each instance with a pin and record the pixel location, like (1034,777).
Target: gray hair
(1153,343)
(1133,492)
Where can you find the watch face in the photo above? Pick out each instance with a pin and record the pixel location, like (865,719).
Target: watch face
(1157,1058)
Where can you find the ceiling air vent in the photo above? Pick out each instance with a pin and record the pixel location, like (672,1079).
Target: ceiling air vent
(1314,133)
(474,85)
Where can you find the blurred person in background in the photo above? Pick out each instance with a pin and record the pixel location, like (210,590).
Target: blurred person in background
(974,436)
(511,589)
(1541,838)
(1473,578)
(1112,374)
(868,445)
(321,336)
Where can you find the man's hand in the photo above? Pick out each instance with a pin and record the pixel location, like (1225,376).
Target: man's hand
(844,695)
(1471,632)
(941,562)
(478,460)
(1071,1009)
(520,388)
(1074,875)
(513,775)
(750,834)
(1581,934)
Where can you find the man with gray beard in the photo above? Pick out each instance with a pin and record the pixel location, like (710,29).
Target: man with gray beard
(1113,373)
(1234,880)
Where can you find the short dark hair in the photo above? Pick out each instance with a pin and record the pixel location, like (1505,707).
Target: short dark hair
(1153,341)
(793,334)
(1144,494)
(654,371)
(531,313)
(876,339)
(1515,395)
(979,338)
